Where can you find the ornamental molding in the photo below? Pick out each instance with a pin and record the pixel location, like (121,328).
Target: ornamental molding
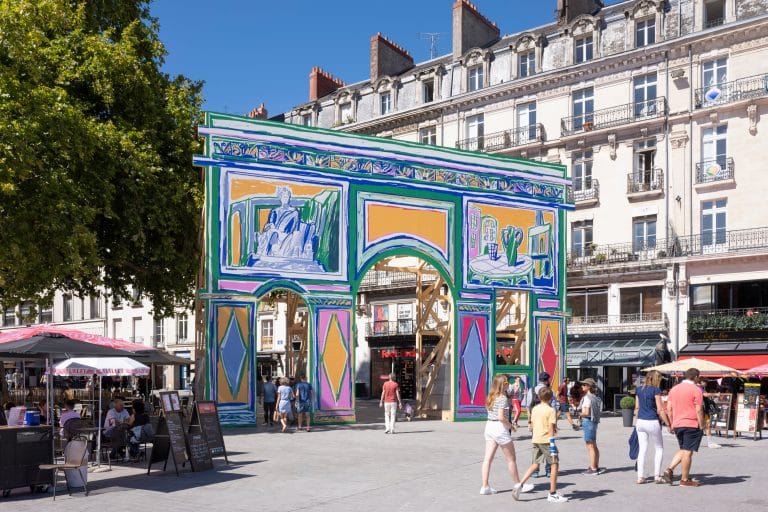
(678,139)
(583,25)
(644,8)
(476,56)
(752,116)
(527,41)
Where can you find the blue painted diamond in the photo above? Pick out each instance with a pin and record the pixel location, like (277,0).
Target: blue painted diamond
(233,354)
(473,359)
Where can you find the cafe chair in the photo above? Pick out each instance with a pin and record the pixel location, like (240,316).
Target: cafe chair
(75,454)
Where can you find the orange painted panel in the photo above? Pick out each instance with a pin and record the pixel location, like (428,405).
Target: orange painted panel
(387,220)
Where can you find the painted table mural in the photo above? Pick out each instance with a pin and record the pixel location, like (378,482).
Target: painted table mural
(310,211)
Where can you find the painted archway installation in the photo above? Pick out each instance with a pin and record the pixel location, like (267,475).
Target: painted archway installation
(309,210)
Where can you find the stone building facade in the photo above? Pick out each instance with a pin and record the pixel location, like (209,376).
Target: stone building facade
(656,108)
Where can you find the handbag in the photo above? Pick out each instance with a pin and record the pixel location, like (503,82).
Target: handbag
(634,445)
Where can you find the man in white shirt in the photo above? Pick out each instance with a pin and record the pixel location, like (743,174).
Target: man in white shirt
(115,424)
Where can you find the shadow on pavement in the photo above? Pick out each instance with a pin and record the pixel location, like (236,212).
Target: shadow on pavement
(708,479)
(587,495)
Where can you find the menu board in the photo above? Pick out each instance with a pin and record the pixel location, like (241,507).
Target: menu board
(172,414)
(748,409)
(161,447)
(199,453)
(206,416)
(722,420)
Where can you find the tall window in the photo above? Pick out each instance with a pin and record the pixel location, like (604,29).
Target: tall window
(69,306)
(645,156)
(136,329)
(581,238)
(583,107)
(46,315)
(182,322)
(475,78)
(385,102)
(583,49)
(135,298)
(159,331)
(266,334)
(345,112)
(582,170)
(714,13)
(117,328)
(25,310)
(713,221)
(645,95)
(306,119)
(475,131)
(95,306)
(527,64)
(714,146)
(714,72)
(526,121)
(428,135)
(645,32)
(428,91)
(644,233)
(9,317)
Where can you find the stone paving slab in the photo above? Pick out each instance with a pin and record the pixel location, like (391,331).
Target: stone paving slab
(426,466)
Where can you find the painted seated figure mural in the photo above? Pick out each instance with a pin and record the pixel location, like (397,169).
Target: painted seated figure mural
(285,236)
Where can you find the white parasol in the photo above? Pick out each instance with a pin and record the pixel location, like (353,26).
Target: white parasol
(705,367)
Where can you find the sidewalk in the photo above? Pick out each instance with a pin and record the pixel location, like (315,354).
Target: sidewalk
(427,465)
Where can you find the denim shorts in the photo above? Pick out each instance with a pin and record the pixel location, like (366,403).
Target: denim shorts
(689,438)
(302,407)
(562,407)
(590,430)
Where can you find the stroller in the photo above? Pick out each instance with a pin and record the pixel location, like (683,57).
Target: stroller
(408,410)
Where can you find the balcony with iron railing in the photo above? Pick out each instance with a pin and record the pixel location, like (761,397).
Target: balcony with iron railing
(402,327)
(586,191)
(715,171)
(750,87)
(267,343)
(645,182)
(728,324)
(656,252)
(379,279)
(614,116)
(506,139)
(615,323)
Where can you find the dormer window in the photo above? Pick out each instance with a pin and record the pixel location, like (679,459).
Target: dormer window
(306,120)
(428,91)
(527,64)
(385,103)
(475,78)
(714,13)
(645,32)
(345,113)
(583,49)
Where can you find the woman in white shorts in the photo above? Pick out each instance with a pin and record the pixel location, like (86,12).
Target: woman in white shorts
(498,433)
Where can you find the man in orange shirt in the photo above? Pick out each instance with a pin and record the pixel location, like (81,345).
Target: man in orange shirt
(390,400)
(686,412)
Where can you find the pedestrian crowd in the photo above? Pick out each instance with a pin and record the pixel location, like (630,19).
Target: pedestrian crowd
(682,412)
(288,402)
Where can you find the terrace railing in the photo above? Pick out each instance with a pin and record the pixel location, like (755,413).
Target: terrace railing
(749,87)
(402,327)
(714,170)
(645,181)
(614,116)
(743,319)
(506,139)
(589,191)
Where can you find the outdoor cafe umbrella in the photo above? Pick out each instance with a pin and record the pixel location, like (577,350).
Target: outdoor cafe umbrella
(758,370)
(100,366)
(704,366)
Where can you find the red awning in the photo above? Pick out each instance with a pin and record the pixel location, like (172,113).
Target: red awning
(737,361)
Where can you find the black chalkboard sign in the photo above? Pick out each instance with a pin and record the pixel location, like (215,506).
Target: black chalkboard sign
(722,420)
(749,411)
(206,416)
(161,447)
(172,414)
(199,452)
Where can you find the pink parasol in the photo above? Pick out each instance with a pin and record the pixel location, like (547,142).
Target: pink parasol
(28,332)
(758,370)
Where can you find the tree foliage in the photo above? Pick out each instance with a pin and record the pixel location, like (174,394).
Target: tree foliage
(97,185)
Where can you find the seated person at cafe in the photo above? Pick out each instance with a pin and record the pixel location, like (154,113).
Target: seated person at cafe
(140,426)
(68,414)
(115,423)
(43,408)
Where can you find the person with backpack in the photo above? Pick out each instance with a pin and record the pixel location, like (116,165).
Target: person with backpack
(590,407)
(650,412)
(303,401)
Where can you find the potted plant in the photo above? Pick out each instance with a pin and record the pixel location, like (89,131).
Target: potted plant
(627,405)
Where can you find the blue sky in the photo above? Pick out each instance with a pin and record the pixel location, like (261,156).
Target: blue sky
(249,51)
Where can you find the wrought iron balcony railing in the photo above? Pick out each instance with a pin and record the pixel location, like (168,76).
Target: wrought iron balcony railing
(713,22)
(589,190)
(506,139)
(267,343)
(379,279)
(744,319)
(744,88)
(714,170)
(402,327)
(626,318)
(643,180)
(614,116)
(649,251)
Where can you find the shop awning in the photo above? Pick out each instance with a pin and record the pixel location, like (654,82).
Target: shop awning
(741,355)
(606,350)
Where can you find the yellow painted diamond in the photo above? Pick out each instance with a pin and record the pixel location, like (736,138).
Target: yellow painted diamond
(335,356)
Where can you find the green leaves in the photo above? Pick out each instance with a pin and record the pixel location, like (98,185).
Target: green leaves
(96,181)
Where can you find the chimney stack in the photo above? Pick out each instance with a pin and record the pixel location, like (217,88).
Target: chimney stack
(471,29)
(388,58)
(567,10)
(260,112)
(322,83)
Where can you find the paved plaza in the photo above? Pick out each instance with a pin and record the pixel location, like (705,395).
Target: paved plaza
(427,465)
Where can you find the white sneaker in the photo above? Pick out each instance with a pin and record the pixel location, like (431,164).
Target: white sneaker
(556,498)
(714,445)
(524,488)
(485,491)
